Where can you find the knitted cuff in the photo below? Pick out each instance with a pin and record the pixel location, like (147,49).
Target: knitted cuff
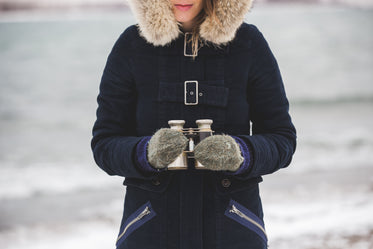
(246,153)
(141,156)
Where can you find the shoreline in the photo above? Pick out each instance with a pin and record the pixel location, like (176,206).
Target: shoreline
(23,6)
(92,12)
(14,7)
(286,196)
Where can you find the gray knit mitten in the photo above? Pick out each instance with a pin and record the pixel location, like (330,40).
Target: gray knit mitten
(219,152)
(165,146)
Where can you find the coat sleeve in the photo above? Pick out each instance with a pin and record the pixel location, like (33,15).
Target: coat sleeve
(114,132)
(273,140)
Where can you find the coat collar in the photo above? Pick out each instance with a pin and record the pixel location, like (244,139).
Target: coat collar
(157,23)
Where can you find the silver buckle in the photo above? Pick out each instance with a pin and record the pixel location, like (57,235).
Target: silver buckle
(186,83)
(185,43)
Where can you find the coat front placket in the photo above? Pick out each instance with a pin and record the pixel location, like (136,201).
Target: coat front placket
(175,68)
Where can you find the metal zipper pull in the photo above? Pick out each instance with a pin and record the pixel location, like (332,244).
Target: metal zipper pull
(235,210)
(145,212)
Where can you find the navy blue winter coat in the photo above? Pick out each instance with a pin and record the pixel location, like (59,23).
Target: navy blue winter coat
(240,89)
(142,87)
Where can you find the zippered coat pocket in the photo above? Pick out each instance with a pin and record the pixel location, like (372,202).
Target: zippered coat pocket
(245,217)
(136,220)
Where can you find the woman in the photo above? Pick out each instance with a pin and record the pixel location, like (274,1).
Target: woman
(190,60)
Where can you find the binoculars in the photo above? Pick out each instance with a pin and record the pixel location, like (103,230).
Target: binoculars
(194,135)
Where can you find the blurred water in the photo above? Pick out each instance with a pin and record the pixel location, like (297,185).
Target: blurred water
(325,53)
(50,69)
(50,72)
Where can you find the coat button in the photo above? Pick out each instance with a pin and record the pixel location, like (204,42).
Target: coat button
(156,182)
(226,183)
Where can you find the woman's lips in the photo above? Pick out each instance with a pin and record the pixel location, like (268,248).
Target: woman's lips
(183,7)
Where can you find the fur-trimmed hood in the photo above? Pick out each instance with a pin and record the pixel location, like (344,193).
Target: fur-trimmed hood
(158,25)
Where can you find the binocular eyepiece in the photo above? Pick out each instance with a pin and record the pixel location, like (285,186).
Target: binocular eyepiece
(194,135)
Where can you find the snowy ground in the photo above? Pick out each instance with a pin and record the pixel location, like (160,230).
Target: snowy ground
(306,213)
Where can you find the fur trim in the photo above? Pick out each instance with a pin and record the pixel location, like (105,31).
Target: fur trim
(158,25)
